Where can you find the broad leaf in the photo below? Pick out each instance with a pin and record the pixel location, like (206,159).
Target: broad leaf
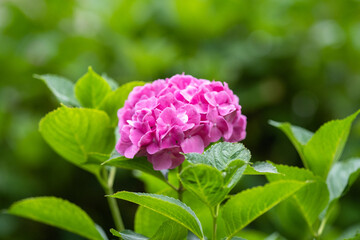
(233,174)
(140,163)
(58,213)
(91,89)
(167,206)
(312,198)
(327,144)
(320,150)
(341,175)
(112,83)
(246,206)
(62,88)
(260,168)
(220,155)
(297,135)
(128,235)
(76,133)
(116,99)
(204,181)
(170,230)
(147,221)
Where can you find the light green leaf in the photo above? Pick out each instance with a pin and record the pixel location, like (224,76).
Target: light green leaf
(312,198)
(75,133)
(204,181)
(220,155)
(170,230)
(112,83)
(167,206)
(148,221)
(340,177)
(327,144)
(128,235)
(58,213)
(116,99)
(62,88)
(91,89)
(247,205)
(140,163)
(233,174)
(260,168)
(297,135)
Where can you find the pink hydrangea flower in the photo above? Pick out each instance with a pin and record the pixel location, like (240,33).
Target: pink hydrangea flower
(181,114)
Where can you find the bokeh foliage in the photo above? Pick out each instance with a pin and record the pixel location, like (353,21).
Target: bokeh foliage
(295,61)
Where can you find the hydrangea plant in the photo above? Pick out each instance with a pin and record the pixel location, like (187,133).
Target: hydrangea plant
(181,134)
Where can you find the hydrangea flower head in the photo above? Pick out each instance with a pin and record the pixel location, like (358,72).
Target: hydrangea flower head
(181,114)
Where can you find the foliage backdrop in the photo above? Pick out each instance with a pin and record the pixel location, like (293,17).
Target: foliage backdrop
(294,61)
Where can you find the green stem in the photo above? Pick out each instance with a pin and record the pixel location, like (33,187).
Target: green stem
(114,209)
(107,181)
(215,215)
(180,190)
(322,226)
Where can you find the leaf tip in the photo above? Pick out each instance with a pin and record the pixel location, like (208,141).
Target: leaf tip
(273,123)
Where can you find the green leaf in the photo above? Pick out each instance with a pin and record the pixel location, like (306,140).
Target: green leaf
(220,155)
(167,206)
(312,198)
(247,205)
(320,150)
(91,89)
(128,235)
(340,177)
(148,221)
(58,213)
(233,174)
(204,181)
(327,144)
(140,163)
(116,99)
(261,168)
(112,83)
(62,88)
(75,133)
(297,135)
(170,230)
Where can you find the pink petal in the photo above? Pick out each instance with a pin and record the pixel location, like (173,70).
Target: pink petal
(161,160)
(193,144)
(131,151)
(226,109)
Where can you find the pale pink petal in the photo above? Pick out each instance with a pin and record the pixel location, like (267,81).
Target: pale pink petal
(193,144)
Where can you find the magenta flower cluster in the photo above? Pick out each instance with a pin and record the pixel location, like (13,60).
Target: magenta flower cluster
(181,114)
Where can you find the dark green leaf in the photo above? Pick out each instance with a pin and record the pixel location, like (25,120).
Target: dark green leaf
(58,213)
(140,163)
(247,205)
(167,206)
(62,88)
(91,89)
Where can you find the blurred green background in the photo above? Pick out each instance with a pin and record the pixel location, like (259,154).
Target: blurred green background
(294,61)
